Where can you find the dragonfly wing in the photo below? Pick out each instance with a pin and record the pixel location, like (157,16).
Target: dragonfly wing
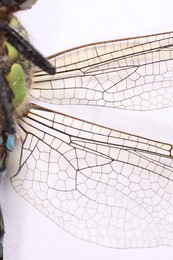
(134,74)
(101,185)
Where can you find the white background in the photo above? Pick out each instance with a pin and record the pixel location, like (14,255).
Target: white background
(55,25)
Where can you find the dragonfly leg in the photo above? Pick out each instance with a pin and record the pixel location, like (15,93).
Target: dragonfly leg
(26,49)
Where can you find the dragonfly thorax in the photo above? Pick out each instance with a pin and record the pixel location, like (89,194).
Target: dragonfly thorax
(16,78)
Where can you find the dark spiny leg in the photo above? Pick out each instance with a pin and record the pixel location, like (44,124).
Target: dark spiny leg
(25,48)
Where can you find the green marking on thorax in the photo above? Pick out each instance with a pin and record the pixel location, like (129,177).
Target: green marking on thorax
(12,52)
(16,79)
(16,76)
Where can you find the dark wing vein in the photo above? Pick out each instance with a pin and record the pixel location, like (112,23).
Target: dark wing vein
(99,184)
(134,74)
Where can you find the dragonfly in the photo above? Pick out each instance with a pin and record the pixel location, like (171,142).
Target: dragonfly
(99,184)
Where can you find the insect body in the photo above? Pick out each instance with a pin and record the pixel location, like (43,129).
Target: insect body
(15,77)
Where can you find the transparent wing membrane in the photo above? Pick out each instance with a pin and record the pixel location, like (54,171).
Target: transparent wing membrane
(101,185)
(134,74)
